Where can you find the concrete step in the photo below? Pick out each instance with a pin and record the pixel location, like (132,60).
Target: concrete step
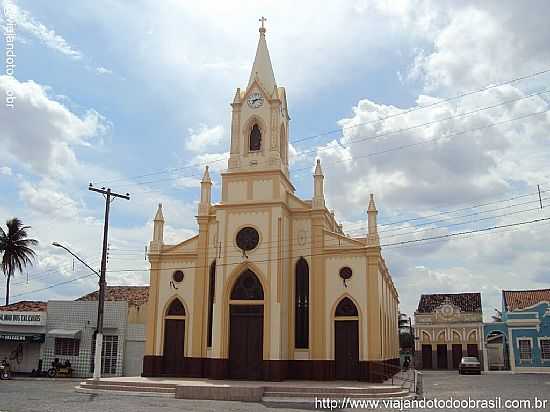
(342,389)
(150,384)
(127,388)
(313,395)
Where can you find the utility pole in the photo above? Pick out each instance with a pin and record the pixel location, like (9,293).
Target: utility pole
(108,194)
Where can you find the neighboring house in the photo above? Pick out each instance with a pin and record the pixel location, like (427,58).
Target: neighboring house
(36,333)
(520,341)
(447,327)
(71,331)
(22,332)
(133,344)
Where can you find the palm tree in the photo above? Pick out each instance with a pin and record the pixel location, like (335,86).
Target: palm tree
(16,249)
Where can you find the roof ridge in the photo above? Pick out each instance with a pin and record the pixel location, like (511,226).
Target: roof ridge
(526,290)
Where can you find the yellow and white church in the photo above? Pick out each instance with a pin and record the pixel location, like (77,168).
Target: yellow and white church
(270,288)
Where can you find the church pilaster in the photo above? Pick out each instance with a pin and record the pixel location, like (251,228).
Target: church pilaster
(152,308)
(200,292)
(374,323)
(318,298)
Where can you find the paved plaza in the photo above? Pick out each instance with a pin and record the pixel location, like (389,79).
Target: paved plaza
(22,395)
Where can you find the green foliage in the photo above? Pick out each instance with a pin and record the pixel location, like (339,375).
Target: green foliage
(16,250)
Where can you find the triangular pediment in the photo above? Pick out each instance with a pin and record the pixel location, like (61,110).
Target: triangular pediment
(335,240)
(187,246)
(295,202)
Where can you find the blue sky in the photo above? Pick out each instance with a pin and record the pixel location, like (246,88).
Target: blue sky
(110,90)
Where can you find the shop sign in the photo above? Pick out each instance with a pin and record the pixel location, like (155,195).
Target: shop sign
(23,318)
(22,337)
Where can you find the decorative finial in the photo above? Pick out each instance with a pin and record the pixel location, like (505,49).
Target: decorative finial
(262,20)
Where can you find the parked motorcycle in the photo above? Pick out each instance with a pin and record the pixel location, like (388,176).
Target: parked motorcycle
(60,369)
(5,371)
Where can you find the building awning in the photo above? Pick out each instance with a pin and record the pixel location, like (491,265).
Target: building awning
(65,333)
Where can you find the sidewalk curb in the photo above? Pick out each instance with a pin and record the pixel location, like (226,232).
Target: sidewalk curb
(39,379)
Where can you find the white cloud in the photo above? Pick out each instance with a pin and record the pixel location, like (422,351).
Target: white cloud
(46,126)
(5,170)
(482,43)
(217,162)
(187,182)
(48,201)
(205,138)
(103,70)
(26,22)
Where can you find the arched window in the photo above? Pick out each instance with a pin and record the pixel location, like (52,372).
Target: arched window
(247,287)
(346,308)
(176,308)
(255,138)
(211,294)
(301,305)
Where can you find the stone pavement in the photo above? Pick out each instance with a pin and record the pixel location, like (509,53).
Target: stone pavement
(60,396)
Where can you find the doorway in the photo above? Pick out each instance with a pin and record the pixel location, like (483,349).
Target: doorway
(346,349)
(442,357)
(426,356)
(457,354)
(346,340)
(246,341)
(246,328)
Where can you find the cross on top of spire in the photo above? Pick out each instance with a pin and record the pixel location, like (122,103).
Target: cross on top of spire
(262,20)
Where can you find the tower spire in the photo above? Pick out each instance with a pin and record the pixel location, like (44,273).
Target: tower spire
(372,213)
(318,189)
(262,70)
(158,226)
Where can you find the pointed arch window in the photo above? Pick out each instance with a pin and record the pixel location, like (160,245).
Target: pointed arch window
(247,287)
(346,308)
(255,138)
(301,302)
(211,294)
(176,308)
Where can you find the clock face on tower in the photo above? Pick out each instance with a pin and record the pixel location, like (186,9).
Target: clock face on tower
(255,100)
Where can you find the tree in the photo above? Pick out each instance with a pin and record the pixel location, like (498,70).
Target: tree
(16,250)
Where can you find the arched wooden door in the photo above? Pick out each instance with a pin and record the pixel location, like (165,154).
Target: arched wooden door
(174,339)
(346,340)
(246,328)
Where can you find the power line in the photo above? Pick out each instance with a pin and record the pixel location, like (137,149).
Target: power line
(376,136)
(439,102)
(395,244)
(55,285)
(394,229)
(354,234)
(332,252)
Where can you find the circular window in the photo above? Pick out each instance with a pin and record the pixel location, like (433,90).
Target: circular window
(247,238)
(345,273)
(177,276)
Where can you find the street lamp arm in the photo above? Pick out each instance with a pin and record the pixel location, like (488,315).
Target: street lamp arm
(80,260)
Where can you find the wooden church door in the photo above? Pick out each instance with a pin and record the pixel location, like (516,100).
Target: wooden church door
(346,353)
(174,339)
(246,328)
(346,340)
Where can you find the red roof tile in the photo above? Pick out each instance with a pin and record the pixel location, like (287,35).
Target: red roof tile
(467,302)
(521,299)
(135,295)
(26,306)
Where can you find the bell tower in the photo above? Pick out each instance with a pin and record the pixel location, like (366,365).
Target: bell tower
(259,121)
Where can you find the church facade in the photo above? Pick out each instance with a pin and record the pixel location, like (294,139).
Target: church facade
(270,288)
